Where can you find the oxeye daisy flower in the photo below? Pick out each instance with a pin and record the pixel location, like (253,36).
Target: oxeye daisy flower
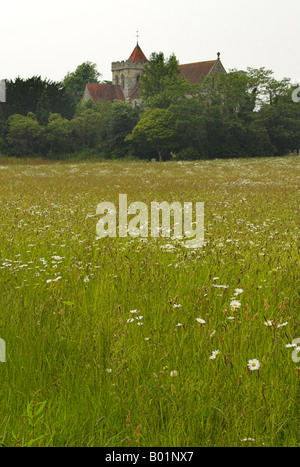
(200,320)
(173,373)
(212,357)
(253,364)
(215,352)
(268,323)
(235,304)
(176,305)
(282,324)
(238,291)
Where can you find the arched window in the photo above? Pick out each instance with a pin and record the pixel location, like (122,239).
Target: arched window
(117,80)
(122,81)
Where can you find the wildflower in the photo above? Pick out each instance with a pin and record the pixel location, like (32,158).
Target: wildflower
(53,280)
(133,311)
(179,324)
(238,291)
(200,320)
(108,370)
(282,324)
(235,304)
(290,345)
(230,317)
(86,279)
(253,364)
(130,320)
(174,373)
(248,439)
(176,306)
(268,323)
(212,357)
(215,352)
(146,338)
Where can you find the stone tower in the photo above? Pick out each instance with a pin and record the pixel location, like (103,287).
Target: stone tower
(126,73)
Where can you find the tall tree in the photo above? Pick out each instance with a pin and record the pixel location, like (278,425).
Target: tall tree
(76,81)
(161,84)
(27,95)
(156,128)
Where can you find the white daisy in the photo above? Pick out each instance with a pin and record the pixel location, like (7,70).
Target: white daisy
(268,323)
(282,324)
(200,320)
(235,304)
(253,364)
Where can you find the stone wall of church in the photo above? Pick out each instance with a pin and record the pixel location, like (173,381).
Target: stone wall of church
(126,74)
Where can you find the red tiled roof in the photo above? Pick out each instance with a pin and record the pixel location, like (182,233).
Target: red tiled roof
(138,54)
(194,72)
(105,91)
(135,94)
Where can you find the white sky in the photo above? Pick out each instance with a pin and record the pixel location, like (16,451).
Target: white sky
(51,37)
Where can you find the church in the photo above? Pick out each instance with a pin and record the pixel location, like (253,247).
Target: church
(125,77)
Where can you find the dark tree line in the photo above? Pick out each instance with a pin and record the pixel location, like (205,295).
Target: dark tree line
(239,114)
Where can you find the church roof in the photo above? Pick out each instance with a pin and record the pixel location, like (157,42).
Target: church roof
(105,91)
(135,93)
(194,72)
(138,54)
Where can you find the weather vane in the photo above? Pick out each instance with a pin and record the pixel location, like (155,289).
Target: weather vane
(137,37)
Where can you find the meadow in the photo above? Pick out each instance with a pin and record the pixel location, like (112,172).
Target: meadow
(136,342)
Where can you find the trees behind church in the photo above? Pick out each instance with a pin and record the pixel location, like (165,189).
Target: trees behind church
(238,114)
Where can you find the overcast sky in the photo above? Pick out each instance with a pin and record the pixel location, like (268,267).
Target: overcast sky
(51,37)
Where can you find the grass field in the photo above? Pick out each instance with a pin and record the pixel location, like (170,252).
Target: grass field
(83,369)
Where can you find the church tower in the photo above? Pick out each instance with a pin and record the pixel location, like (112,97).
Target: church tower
(126,73)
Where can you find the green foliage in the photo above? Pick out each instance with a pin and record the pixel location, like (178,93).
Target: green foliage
(90,123)
(156,127)
(75,81)
(161,84)
(23,134)
(238,114)
(58,134)
(123,119)
(38,96)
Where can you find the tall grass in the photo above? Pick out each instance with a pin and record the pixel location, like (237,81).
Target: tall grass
(83,370)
